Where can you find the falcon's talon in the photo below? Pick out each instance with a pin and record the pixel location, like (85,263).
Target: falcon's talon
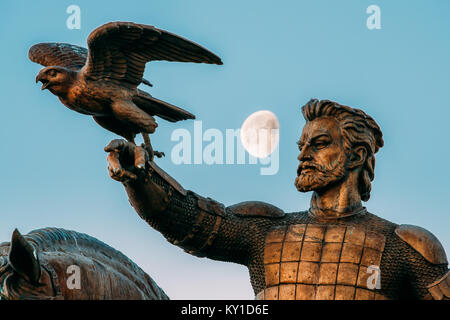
(159,154)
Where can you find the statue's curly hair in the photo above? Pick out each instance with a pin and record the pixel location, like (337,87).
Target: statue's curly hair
(358,129)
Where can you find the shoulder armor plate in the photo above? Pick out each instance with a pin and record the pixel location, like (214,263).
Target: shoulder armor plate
(424,242)
(256,209)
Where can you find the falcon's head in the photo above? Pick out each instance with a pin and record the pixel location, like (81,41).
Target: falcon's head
(57,79)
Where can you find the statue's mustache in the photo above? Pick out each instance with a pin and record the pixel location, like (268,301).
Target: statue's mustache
(312,166)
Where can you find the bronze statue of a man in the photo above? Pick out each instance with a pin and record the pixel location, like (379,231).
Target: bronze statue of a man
(335,250)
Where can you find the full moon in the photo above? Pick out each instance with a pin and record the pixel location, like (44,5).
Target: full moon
(260,133)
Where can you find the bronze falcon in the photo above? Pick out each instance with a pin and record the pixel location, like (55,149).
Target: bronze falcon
(102,81)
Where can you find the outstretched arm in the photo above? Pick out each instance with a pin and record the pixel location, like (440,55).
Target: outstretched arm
(201,226)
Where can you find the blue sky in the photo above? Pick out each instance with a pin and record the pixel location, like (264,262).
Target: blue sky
(277,55)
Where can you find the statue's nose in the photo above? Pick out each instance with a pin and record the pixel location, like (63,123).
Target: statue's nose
(305,154)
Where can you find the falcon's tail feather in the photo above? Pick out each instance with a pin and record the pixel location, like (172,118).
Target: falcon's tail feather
(160,108)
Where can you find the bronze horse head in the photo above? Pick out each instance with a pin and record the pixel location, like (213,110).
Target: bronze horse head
(54,263)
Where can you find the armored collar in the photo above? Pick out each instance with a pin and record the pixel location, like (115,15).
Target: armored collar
(334,215)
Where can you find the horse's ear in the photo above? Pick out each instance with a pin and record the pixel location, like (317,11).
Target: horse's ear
(23,258)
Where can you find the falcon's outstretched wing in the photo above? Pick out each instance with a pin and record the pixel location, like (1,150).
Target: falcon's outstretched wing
(120,50)
(58,54)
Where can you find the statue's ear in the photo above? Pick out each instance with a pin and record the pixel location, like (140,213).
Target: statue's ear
(23,258)
(358,157)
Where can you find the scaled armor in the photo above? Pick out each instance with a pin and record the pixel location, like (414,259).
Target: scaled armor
(296,255)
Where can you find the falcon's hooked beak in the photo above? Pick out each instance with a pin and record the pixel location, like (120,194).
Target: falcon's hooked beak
(42,78)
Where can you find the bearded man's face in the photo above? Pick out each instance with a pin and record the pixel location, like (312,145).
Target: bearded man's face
(323,160)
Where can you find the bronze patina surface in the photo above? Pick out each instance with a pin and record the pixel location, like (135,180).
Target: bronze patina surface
(326,252)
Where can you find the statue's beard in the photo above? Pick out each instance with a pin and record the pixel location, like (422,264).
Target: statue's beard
(312,176)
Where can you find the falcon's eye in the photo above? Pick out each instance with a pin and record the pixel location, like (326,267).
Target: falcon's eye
(52,72)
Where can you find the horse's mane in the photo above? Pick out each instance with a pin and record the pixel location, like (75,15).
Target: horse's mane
(58,239)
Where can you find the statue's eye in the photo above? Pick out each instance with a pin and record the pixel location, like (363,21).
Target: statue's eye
(320,144)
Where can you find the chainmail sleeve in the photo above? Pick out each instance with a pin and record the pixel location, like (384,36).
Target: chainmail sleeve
(420,273)
(201,226)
